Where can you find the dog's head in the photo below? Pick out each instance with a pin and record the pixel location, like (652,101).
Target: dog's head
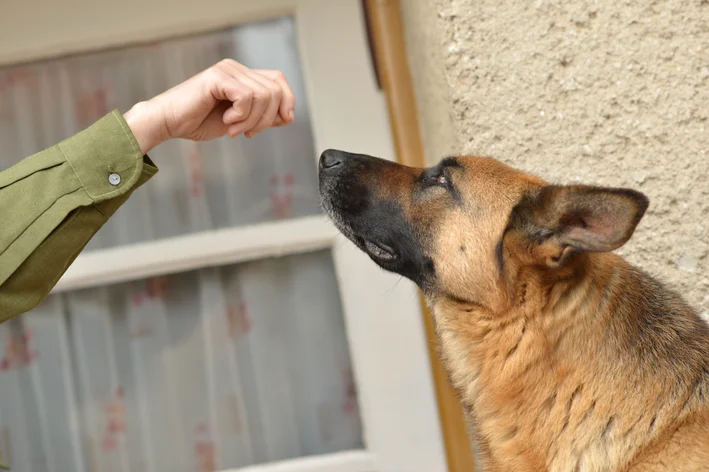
(459,228)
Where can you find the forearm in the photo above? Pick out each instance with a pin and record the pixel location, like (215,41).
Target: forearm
(54,202)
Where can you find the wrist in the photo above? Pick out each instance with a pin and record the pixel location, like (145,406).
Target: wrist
(145,124)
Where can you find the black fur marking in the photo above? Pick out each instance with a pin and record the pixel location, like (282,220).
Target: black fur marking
(462,301)
(511,433)
(500,253)
(652,424)
(351,201)
(514,348)
(548,404)
(560,339)
(428,178)
(588,412)
(608,427)
(572,399)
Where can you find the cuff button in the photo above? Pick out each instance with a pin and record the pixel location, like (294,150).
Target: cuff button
(114,179)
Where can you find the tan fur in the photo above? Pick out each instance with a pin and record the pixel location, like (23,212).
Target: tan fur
(530,360)
(545,395)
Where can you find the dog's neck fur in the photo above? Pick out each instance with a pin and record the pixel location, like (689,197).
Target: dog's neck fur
(532,375)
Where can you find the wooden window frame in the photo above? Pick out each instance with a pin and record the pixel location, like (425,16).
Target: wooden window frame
(387,32)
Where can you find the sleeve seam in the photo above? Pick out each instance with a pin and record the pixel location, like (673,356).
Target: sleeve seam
(99,210)
(49,208)
(68,219)
(66,158)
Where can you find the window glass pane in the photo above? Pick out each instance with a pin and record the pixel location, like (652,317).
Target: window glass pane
(201,371)
(201,186)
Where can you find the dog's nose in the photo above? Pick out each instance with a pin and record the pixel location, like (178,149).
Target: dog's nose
(330,158)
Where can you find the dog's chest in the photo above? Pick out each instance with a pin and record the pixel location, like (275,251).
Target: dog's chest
(530,410)
(554,430)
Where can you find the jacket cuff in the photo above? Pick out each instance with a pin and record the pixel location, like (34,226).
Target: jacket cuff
(105,157)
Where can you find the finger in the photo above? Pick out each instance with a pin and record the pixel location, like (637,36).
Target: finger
(225,87)
(275,85)
(213,126)
(287,109)
(235,114)
(260,104)
(269,117)
(262,91)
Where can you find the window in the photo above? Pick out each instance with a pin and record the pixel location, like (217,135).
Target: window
(218,321)
(210,369)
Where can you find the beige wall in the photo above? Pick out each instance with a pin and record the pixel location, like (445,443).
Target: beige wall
(610,92)
(427,59)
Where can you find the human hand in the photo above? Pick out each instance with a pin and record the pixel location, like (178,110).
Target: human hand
(228,98)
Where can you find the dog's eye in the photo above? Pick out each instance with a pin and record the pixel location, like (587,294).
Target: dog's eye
(439,179)
(436,178)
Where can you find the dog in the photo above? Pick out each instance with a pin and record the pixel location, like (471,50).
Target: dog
(564,356)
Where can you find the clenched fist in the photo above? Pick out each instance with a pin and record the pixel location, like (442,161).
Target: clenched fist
(228,98)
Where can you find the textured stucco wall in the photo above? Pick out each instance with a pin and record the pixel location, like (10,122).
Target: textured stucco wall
(609,92)
(422,27)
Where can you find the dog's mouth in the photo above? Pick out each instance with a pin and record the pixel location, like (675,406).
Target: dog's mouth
(379,251)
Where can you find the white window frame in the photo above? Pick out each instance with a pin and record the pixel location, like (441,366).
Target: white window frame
(386,335)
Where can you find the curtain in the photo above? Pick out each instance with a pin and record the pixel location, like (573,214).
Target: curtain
(200,371)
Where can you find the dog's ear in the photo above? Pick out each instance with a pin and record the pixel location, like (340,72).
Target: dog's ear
(579,218)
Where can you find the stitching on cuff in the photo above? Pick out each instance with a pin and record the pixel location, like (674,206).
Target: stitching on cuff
(73,169)
(136,150)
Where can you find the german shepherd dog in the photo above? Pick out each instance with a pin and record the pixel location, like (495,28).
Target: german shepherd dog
(565,357)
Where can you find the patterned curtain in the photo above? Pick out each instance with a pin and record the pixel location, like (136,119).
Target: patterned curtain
(206,370)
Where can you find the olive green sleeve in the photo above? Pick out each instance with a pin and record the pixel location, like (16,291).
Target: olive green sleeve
(54,202)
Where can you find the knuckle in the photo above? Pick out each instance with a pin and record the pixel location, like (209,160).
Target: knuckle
(217,77)
(253,120)
(246,95)
(213,73)
(275,90)
(238,112)
(262,95)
